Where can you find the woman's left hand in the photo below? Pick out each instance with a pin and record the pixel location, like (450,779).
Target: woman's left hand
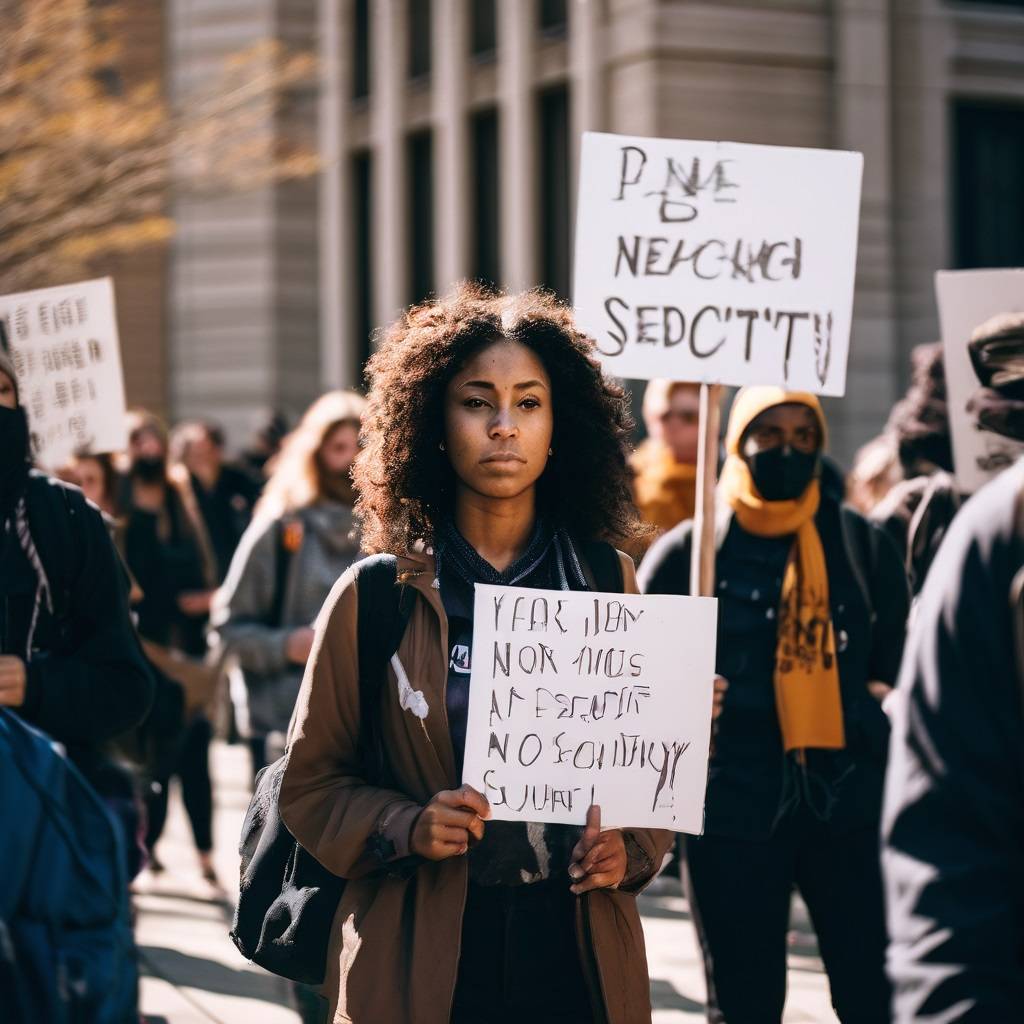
(599,859)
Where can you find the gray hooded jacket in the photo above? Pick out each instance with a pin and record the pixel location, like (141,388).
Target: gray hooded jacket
(244,607)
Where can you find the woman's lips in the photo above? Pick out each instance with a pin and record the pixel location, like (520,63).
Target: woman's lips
(504,457)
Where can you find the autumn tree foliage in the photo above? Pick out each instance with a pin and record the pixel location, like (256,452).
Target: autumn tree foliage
(88,156)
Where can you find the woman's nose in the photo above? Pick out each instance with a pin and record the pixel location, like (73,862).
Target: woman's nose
(503,425)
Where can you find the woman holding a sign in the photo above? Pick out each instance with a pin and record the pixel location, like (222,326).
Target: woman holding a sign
(494,453)
(813,603)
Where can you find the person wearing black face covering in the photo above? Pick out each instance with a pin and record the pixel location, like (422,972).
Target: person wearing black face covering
(953,825)
(812,603)
(70,662)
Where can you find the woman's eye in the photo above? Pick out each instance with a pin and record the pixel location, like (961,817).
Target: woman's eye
(530,403)
(475,403)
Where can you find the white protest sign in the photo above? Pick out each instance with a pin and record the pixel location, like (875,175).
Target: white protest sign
(582,698)
(967,298)
(67,357)
(717,262)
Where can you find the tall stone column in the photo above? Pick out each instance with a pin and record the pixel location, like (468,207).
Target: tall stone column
(336,293)
(517,24)
(863,104)
(451,143)
(389,69)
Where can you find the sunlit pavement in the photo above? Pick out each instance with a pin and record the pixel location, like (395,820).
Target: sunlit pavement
(192,974)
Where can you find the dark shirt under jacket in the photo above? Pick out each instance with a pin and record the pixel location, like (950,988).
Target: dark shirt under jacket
(751,783)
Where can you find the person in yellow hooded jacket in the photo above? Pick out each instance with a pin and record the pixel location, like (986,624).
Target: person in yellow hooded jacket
(813,602)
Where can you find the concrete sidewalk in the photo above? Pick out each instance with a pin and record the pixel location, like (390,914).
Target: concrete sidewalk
(192,974)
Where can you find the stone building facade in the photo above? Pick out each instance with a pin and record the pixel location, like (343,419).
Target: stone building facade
(449,135)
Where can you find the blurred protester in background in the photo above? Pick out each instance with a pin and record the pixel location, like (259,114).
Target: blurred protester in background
(953,829)
(664,465)
(812,611)
(918,508)
(171,559)
(70,665)
(302,539)
(98,478)
(266,443)
(225,494)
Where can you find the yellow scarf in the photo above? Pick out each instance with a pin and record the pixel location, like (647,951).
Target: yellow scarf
(663,489)
(807,695)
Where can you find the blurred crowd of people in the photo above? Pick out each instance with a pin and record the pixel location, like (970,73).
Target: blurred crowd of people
(175,594)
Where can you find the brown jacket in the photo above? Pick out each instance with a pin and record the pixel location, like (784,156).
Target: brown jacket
(394,949)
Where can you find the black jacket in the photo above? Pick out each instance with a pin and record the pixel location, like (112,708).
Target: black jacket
(953,827)
(751,783)
(87,678)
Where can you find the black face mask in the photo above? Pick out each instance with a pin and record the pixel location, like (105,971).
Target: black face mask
(783,473)
(14,461)
(149,469)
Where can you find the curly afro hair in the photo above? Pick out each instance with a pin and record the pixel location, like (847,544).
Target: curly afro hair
(406,483)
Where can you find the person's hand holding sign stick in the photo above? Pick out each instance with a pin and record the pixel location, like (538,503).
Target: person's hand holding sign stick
(599,859)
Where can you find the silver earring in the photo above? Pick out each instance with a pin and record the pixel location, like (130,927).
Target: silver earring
(441,447)
(550,452)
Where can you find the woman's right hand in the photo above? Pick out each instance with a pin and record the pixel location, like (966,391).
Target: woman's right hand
(299,645)
(444,827)
(721,685)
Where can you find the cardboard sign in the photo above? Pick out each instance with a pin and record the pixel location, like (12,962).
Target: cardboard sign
(64,345)
(582,698)
(717,262)
(967,298)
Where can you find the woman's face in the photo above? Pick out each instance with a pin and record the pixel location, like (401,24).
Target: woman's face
(8,396)
(339,450)
(499,421)
(89,476)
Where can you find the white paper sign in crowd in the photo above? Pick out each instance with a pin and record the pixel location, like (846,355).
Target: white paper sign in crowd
(967,298)
(582,698)
(67,357)
(718,262)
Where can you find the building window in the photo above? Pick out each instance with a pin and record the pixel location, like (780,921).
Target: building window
(483,36)
(553,189)
(419,38)
(421,216)
(988,141)
(486,184)
(362,271)
(361,49)
(553,16)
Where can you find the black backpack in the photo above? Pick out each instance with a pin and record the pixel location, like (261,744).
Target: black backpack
(287,899)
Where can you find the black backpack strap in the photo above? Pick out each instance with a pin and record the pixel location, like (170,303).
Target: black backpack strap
(384,608)
(605,566)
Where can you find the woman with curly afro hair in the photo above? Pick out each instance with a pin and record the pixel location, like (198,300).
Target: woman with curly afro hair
(494,452)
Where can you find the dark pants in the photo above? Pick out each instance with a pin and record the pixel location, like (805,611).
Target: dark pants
(193,768)
(520,958)
(740,892)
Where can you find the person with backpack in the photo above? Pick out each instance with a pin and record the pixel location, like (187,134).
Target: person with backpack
(72,668)
(953,823)
(494,452)
(302,539)
(813,602)
(70,661)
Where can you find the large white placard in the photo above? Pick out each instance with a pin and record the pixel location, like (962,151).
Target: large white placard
(967,298)
(581,698)
(718,262)
(67,357)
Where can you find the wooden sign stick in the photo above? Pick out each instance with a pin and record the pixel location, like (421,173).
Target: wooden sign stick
(702,558)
